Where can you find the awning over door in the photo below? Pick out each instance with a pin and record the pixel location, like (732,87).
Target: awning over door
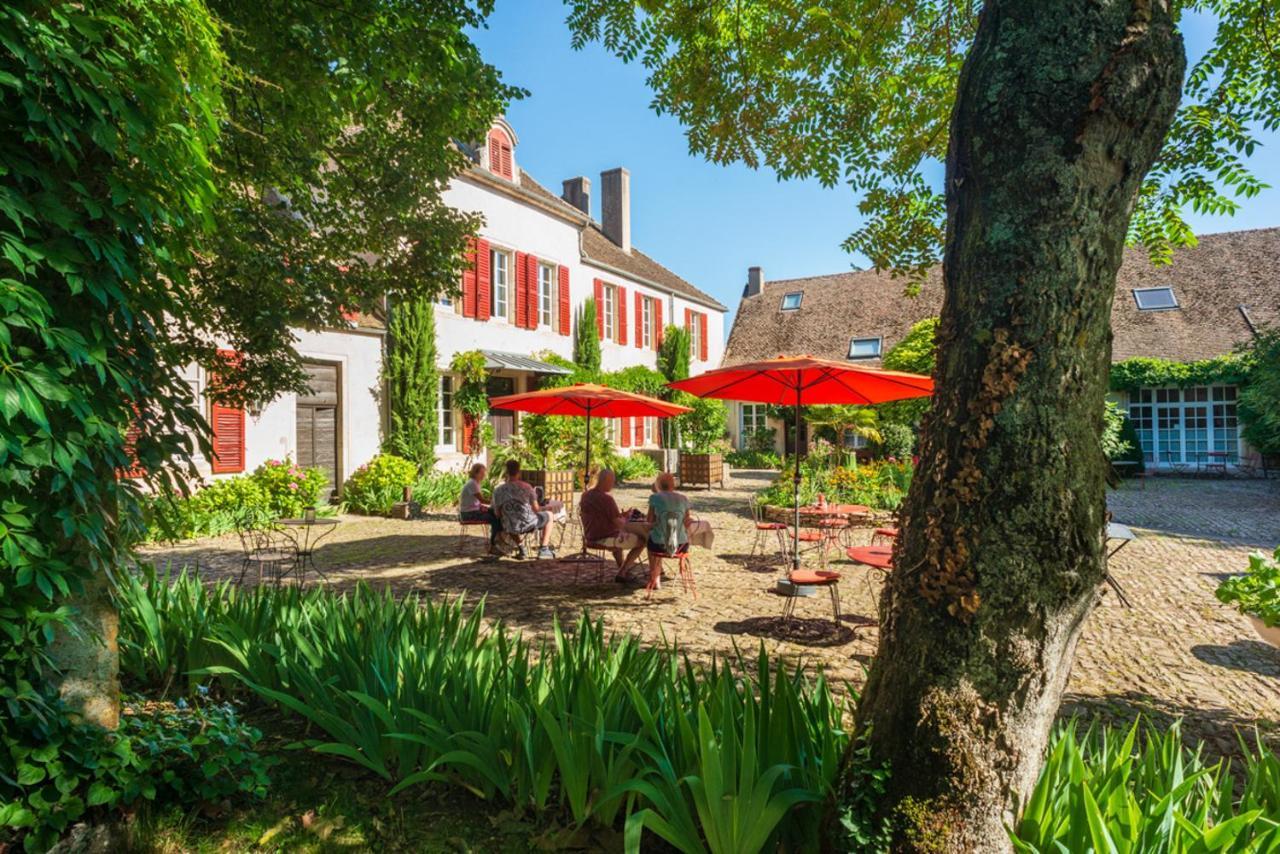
(496,360)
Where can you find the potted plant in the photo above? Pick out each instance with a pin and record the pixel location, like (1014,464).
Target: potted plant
(1256,594)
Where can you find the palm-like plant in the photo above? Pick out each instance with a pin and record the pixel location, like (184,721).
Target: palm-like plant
(844,419)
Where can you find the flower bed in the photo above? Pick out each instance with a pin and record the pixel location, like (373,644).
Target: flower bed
(880,485)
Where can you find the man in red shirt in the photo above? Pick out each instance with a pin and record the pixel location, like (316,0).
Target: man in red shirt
(604,524)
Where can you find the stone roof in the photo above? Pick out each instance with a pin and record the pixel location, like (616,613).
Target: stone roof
(1211,282)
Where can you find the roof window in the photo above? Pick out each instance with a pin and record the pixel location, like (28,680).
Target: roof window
(791,301)
(864,348)
(1155,299)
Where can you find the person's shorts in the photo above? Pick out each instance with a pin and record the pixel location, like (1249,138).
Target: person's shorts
(659,548)
(544,519)
(477,516)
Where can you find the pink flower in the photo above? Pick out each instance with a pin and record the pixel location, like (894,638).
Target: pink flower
(293,486)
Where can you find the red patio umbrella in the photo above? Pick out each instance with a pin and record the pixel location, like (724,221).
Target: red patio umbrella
(805,381)
(588,400)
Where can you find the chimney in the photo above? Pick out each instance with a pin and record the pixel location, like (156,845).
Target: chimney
(577,192)
(755,282)
(615,207)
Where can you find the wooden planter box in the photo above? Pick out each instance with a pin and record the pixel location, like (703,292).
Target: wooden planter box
(701,470)
(556,484)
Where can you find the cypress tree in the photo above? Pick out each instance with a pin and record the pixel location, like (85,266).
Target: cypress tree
(586,339)
(412,381)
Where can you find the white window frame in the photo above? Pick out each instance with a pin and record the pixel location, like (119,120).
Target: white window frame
(695,336)
(444,421)
(646,322)
(547,294)
(650,430)
(799,295)
(611,430)
(1156,411)
(758,418)
(876,355)
(500,308)
(609,298)
(1138,293)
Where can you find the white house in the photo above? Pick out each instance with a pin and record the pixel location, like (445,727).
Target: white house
(537,258)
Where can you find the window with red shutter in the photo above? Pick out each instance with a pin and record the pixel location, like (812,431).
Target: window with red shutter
(702,335)
(484,280)
(522,290)
(599,294)
(639,432)
(640,298)
(564,301)
(688,319)
(657,324)
(624,432)
(622,315)
(227,423)
(500,155)
(531,291)
(469,280)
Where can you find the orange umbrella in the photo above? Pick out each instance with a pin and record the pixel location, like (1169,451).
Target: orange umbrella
(805,381)
(588,399)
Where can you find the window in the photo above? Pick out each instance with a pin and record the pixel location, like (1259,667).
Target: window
(444,406)
(791,301)
(611,430)
(695,335)
(646,323)
(864,348)
(650,427)
(1155,299)
(500,154)
(610,309)
(501,290)
(1181,427)
(445,301)
(546,294)
(853,441)
(753,418)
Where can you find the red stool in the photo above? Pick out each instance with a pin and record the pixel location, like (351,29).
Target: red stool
(883,534)
(814,578)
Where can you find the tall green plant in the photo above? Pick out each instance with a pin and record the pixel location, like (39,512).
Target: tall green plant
(1260,398)
(673,364)
(412,381)
(586,338)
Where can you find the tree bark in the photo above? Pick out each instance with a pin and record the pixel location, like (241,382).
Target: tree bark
(1061,109)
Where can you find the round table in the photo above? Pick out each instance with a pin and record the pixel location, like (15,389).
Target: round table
(879,557)
(835,510)
(310,533)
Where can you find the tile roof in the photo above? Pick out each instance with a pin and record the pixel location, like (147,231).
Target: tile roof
(1211,282)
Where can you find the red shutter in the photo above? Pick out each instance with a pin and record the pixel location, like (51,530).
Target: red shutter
(469,280)
(639,432)
(522,287)
(228,431)
(564,300)
(688,319)
(484,280)
(624,432)
(531,291)
(599,309)
(622,315)
(131,436)
(657,324)
(495,153)
(507,171)
(702,335)
(640,298)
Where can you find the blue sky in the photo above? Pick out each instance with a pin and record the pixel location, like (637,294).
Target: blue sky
(588,112)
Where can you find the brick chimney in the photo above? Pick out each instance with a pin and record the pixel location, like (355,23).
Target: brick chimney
(615,207)
(755,282)
(577,192)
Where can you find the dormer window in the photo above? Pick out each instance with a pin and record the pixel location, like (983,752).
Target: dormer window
(864,348)
(791,301)
(500,160)
(1155,299)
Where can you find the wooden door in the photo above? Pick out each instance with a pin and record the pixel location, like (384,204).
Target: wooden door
(319,422)
(502,420)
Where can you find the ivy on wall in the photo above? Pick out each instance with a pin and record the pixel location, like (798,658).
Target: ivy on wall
(1142,372)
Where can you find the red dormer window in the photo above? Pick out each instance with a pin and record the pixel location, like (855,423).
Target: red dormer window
(500,154)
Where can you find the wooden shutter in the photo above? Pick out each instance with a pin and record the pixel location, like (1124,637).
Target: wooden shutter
(624,432)
(688,319)
(469,280)
(495,153)
(599,285)
(531,292)
(522,288)
(639,319)
(564,300)
(622,315)
(484,280)
(131,436)
(228,429)
(639,432)
(702,335)
(507,171)
(657,324)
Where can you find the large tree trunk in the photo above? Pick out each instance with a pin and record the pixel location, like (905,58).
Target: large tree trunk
(1062,108)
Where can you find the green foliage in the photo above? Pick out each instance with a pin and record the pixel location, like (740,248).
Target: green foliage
(1257,592)
(674,354)
(637,379)
(471,395)
(1101,791)
(917,352)
(1143,372)
(1259,403)
(378,484)
(438,490)
(753,459)
(702,430)
(785,84)
(897,441)
(586,338)
(412,381)
(1132,448)
(880,485)
(593,729)
(1113,443)
(275,489)
(635,468)
(838,420)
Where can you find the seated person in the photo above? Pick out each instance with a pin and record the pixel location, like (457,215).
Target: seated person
(471,504)
(601,520)
(518,512)
(669,522)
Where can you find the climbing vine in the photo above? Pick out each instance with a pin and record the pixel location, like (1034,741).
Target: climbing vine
(1142,372)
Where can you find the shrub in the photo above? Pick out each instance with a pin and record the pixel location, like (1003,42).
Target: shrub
(439,489)
(880,485)
(897,441)
(635,467)
(288,489)
(1257,592)
(1113,440)
(753,459)
(378,484)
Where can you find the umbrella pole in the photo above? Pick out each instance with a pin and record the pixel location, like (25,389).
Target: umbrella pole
(795,485)
(586,473)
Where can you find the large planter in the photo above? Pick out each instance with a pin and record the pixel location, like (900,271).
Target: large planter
(556,484)
(1270,634)
(701,470)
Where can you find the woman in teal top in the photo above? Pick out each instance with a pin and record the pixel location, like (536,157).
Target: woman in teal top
(669,525)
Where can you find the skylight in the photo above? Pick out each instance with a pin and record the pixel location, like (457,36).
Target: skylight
(864,348)
(791,301)
(1155,299)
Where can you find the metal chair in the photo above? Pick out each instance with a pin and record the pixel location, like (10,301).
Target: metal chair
(670,522)
(465,524)
(260,548)
(830,579)
(763,528)
(883,535)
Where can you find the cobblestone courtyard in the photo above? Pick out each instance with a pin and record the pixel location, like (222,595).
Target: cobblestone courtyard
(1176,652)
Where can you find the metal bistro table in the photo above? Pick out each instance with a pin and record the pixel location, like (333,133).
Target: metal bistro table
(306,534)
(1122,535)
